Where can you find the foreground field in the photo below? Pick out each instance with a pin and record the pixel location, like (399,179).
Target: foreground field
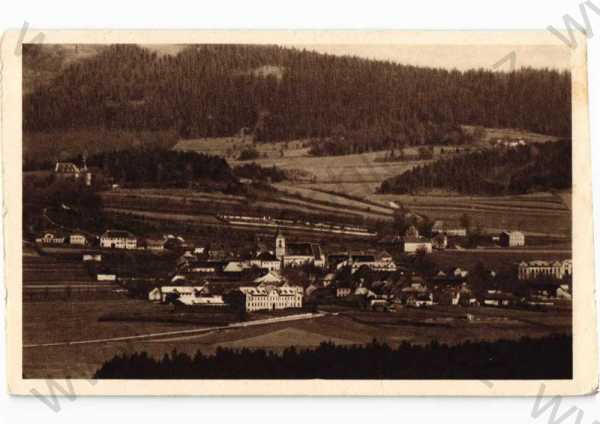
(71,321)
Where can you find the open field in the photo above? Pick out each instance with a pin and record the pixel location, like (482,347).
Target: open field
(514,134)
(356,178)
(293,157)
(63,321)
(537,213)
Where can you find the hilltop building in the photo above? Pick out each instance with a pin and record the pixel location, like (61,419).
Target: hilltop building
(70,171)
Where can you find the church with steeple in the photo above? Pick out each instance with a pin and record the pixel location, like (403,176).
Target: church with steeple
(296,254)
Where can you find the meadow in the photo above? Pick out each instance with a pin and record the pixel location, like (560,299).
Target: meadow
(70,321)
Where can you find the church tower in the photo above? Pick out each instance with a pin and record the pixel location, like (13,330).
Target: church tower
(279,245)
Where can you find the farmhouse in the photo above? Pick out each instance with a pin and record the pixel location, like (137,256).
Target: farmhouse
(51,238)
(187,295)
(295,254)
(92,257)
(70,171)
(271,298)
(413,245)
(266,260)
(343,291)
(512,238)
(440,227)
(78,239)
(420,300)
(380,261)
(155,245)
(439,241)
(548,269)
(67,170)
(498,298)
(117,239)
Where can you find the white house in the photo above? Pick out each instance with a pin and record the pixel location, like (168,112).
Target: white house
(117,239)
(106,277)
(512,238)
(92,257)
(413,245)
(272,298)
(78,239)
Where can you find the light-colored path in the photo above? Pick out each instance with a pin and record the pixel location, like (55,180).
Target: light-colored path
(182,332)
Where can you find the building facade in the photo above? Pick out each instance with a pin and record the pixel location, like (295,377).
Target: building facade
(297,254)
(414,244)
(512,238)
(117,239)
(545,269)
(271,298)
(77,239)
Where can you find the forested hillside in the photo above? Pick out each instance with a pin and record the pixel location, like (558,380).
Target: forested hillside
(281,93)
(494,171)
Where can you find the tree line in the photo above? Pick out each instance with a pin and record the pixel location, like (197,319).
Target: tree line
(282,93)
(502,359)
(345,142)
(518,170)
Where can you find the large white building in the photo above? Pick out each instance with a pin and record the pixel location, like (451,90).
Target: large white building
(548,269)
(117,239)
(271,298)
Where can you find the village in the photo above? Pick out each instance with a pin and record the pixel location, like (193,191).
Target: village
(290,272)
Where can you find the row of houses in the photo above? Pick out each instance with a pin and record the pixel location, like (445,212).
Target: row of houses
(110,239)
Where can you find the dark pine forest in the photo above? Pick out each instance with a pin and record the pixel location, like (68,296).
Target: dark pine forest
(283,93)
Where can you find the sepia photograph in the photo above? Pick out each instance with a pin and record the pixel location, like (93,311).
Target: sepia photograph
(294,210)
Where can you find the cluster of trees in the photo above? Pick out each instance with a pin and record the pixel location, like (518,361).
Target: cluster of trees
(502,359)
(161,167)
(68,203)
(249,154)
(285,93)
(345,142)
(260,173)
(492,172)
